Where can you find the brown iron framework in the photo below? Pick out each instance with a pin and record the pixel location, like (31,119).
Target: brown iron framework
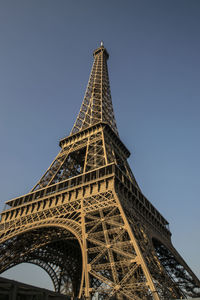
(86,221)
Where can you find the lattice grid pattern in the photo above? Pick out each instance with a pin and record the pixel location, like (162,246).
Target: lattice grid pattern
(86,222)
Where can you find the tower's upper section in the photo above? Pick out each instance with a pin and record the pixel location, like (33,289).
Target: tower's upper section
(97,103)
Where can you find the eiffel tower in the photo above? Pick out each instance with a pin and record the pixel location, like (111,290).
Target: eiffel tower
(86,221)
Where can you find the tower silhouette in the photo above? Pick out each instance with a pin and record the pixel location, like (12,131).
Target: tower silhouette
(86,221)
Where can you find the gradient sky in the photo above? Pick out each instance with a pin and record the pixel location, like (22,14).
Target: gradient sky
(154,67)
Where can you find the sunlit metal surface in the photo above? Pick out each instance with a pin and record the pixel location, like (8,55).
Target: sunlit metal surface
(86,221)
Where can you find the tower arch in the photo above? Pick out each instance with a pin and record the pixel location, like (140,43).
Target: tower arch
(55,247)
(32,274)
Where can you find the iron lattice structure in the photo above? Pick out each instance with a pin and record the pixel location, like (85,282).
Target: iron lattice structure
(86,221)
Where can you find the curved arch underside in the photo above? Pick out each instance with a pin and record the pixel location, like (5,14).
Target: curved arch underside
(115,264)
(176,270)
(55,250)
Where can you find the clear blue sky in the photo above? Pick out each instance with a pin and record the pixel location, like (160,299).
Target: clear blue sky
(154,66)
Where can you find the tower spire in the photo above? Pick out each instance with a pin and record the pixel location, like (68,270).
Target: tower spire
(97,103)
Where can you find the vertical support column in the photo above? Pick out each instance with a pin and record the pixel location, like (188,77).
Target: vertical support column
(86,155)
(85,255)
(13,293)
(138,252)
(104,147)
